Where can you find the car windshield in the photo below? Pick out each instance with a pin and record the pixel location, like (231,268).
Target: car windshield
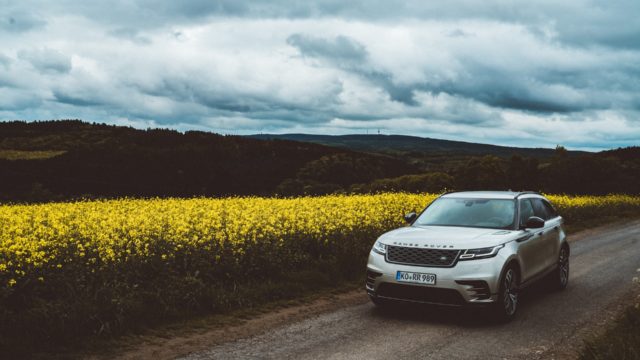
(482,213)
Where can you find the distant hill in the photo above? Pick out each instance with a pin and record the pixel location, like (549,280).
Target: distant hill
(71,159)
(57,160)
(628,154)
(395,144)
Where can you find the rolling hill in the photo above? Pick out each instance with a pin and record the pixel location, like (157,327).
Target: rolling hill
(400,144)
(71,159)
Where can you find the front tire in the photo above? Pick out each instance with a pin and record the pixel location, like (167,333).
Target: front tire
(560,276)
(507,305)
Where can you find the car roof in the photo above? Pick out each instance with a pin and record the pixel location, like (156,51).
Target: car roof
(487,194)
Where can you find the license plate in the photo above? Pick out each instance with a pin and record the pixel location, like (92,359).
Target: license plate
(414,277)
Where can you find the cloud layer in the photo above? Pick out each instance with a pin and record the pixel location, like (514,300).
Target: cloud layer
(534,74)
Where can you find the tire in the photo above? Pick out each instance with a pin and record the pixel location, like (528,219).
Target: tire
(560,276)
(508,297)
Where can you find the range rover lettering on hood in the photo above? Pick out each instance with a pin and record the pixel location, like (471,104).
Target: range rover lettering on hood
(425,245)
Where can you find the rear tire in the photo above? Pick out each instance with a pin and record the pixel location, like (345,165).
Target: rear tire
(560,276)
(507,305)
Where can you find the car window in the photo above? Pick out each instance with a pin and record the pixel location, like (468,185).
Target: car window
(526,211)
(551,212)
(483,213)
(539,209)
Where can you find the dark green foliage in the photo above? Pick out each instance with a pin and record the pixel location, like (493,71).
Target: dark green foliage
(434,182)
(336,172)
(101,161)
(109,161)
(620,342)
(410,145)
(486,173)
(591,175)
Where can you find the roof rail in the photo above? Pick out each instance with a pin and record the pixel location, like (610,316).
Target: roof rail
(527,192)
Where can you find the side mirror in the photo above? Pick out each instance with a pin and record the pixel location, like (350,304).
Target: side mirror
(410,217)
(534,222)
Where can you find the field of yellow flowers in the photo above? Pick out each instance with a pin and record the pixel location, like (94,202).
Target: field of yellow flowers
(103,266)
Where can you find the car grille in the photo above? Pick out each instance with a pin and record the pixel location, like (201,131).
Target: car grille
(422,257)
(423,294)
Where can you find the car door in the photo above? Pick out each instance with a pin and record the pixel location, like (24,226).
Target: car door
(531,248)
(548,234)
(554,233)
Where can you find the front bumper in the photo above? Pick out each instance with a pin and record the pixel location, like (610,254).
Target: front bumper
(470,282)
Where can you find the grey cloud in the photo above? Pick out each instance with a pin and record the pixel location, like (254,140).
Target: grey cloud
(192,88)
(350,55)
(538,90)
(458,33)
(46,60)
(5,61)
(64,97)
(508,91)
(12,99)
(20,21)
(340,48)
(494,87)
(577,22)
(130,34)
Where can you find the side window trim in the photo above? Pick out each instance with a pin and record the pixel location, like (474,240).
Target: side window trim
(538,205)
(551,211)
(521,220)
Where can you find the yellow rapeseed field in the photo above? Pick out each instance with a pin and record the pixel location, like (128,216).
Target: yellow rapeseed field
(95,233)
(68,269)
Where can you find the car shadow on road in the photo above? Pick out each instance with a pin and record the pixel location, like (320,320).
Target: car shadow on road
(470,316)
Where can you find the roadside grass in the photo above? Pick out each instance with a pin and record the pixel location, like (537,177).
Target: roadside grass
(29,154)
(625,335)
(114,346)
(586,224)
(621,341)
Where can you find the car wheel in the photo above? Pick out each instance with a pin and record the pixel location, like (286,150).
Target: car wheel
(560,277)
(507,304)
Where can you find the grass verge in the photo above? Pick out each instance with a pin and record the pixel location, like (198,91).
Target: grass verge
(188,332)
(299,292)
(620,342)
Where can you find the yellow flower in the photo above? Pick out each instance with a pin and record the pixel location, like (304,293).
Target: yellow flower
(98,236)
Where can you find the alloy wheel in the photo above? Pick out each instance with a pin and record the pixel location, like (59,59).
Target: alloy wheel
(510,292)
(563,267)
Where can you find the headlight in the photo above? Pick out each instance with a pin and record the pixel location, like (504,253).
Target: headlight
(379,248)
(481,253)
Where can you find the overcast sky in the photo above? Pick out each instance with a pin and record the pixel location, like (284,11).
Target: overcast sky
(504,72)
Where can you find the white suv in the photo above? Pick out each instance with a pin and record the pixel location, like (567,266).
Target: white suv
(465,248)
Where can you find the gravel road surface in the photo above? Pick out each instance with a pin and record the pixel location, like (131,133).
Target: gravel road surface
(549,324)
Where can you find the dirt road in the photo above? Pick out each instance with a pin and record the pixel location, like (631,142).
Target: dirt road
(549,325)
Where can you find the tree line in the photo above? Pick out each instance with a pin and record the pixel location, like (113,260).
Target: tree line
(103,161)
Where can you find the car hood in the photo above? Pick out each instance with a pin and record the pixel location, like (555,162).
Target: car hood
(447,237)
